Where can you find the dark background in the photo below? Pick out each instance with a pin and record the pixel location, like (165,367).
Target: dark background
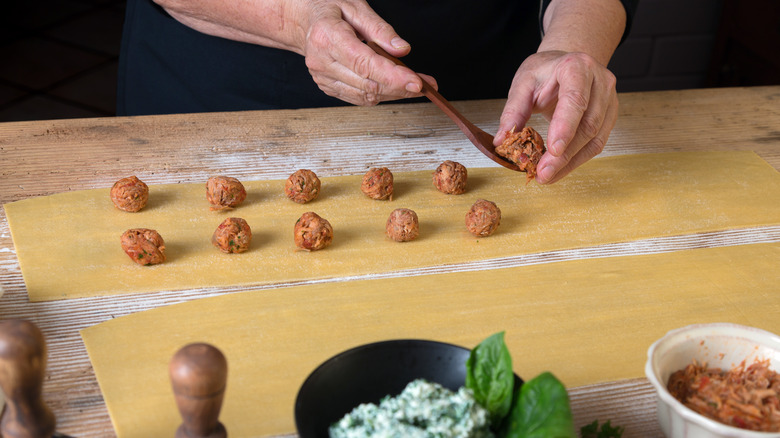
(59,57)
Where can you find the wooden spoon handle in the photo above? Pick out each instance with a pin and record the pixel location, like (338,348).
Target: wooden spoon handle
(199,376)
(428,91)
(481,139)
(22,368)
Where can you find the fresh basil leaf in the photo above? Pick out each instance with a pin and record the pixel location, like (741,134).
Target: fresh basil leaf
(542,410)
(489,375)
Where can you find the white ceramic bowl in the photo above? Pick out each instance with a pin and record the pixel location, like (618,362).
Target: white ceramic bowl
(721,345)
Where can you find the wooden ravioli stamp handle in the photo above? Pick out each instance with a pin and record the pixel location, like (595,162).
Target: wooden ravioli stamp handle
(22,368)
(199,376)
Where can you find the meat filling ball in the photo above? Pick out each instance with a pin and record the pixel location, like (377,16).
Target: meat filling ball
(450,178)
(129,194)
(483,218)
(312,232)
(402,225)
(233,235)
(224,192)
(143,246)
(523,148)
(302,186)
(378,183)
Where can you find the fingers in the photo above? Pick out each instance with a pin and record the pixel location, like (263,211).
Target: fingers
(577,95)
(371,27)
(534,90)
(585,91)
(369,81)
(584,116)
(343,66)
(552,168)
(574,99)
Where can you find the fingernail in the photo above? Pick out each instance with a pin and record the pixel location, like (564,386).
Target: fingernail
(546,174)
(399,43)
(413,88)
(558,147)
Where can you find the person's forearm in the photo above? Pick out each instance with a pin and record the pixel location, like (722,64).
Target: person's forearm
(272,23)
(588,26)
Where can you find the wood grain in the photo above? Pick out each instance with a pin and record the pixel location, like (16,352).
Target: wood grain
(45,157)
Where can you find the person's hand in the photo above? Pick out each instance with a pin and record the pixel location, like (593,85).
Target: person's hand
(343,66)
(576,94)
(330,34)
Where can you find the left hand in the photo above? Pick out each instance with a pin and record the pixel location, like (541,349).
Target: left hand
(576,94)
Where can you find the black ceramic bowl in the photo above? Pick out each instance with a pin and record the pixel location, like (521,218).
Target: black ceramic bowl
(367,373)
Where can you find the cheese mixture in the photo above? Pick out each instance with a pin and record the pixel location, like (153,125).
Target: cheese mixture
(423,409)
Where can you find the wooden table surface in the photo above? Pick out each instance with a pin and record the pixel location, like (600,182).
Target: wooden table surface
(45,157)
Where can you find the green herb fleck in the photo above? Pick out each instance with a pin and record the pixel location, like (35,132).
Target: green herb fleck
(607,431)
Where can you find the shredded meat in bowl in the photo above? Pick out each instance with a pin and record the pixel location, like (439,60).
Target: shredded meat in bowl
(747,398)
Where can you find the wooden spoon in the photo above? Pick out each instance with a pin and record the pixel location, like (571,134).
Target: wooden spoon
(481,139)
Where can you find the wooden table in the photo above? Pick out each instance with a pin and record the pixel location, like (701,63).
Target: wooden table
(45,157)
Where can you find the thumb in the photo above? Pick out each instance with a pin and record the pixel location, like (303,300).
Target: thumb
(371,27)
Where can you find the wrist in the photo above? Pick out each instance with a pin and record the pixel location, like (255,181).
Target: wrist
(593,27)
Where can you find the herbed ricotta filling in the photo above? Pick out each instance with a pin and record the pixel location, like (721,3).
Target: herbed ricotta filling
(424,409)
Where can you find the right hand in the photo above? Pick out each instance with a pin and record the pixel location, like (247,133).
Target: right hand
(576,94)
(343,66)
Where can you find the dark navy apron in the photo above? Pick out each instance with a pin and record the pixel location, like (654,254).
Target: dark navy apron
(472,48)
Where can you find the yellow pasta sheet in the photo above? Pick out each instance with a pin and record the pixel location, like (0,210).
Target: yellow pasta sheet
(587,321)
(68,243)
